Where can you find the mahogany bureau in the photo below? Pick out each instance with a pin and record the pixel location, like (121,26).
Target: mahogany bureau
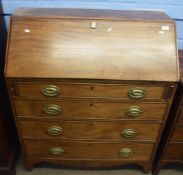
(171,147)
(91,88)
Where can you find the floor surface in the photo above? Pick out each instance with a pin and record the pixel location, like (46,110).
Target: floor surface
(45,169)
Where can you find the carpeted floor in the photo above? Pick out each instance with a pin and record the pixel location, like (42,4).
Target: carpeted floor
(46,169)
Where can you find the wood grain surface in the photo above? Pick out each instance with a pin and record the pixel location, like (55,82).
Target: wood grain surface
(32,89)
(174,152)
(177,134)
(145,52)
(88,150)
(94,58)
(93,14)
(93,130)
(170,149)
(78,110)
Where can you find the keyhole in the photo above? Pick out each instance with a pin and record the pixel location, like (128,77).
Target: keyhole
(92,88)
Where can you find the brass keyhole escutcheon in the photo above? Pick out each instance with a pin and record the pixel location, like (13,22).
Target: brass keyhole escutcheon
(93,25)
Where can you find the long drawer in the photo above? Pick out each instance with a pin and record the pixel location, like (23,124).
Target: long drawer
(89,109)
(116,131)
(180,118)
(174,152)
(55,89)
(88,150)
(177,134)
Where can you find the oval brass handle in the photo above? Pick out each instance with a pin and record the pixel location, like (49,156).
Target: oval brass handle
(137,93)
(52,109)
(129,133)
(126,152)
(51,91)
(56,151)
(55,130)
(135,111)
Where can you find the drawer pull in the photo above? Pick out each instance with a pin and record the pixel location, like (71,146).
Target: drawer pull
(51,91)
(52,109)
(55,130)
(126,152)
(129,133)
(134,111)
(137,93)
(56,151)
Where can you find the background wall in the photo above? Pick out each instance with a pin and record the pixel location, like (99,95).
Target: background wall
(173,8)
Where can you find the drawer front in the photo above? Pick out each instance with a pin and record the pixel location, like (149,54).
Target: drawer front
(89,109)
(72,48)
(180,118)
(177,134)
(51,89)
(116,131)
(174,152)
(88,150)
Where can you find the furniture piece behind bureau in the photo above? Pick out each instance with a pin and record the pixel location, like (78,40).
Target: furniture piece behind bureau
(91,88)
(171,147)
(8,145)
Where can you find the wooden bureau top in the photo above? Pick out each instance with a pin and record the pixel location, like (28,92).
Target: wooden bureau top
(92,44)
(93,14)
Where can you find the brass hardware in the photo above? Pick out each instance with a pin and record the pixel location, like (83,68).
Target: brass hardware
(93,25)
(52,109)
(134,111)
(51,91)
(56,151)
(55,130)
(129,133)
(137,93)
(126,152)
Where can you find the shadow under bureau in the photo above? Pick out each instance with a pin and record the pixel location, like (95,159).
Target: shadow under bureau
(91,88)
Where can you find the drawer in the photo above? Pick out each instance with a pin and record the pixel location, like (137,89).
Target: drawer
(180,117)
(52,89)
(89,109)
(174,152)
(177,134)
(88,150)
(72,130)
